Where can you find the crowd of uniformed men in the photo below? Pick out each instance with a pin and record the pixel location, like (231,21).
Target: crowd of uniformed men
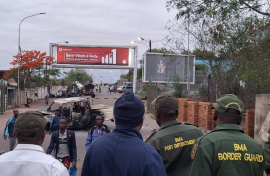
(175,149)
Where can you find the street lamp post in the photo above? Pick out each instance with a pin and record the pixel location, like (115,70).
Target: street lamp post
(19,53)
(149,42)
(51,45)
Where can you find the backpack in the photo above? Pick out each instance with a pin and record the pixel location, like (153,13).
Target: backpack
(56,134)
(106,129)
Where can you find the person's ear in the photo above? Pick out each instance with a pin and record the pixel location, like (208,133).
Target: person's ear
(43,134)
(239,121)
(215,116)
(157,115)
(14,134)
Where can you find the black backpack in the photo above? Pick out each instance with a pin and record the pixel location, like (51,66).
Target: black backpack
(92,130)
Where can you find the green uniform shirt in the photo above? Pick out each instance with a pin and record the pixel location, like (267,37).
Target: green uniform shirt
(174,142)
(266,152)
(227,151)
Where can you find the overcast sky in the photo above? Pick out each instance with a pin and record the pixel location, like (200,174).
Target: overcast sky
(108,22)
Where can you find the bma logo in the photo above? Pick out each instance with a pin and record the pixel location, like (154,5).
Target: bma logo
(124,61)
(60,49)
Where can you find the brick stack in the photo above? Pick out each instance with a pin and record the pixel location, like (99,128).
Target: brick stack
(182,109)
(205,118)
(250,121)
(192,112)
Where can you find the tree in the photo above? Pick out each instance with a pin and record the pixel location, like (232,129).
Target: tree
(33,67)
(219,15)
(177,86)
(232,38)
(79,75)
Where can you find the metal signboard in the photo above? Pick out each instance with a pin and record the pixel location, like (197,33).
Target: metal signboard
(92,55)
(162,68)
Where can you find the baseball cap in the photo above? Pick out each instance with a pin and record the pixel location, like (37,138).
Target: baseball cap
(229,101)
(30,121)
(165,103)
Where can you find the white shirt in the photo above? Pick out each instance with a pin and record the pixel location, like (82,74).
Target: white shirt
(30,160)
(63,150)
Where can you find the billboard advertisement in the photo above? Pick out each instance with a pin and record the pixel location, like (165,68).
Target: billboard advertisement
(162,68)
(92,55)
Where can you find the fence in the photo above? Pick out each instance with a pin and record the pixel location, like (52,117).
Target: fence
(42,91)
(151,95)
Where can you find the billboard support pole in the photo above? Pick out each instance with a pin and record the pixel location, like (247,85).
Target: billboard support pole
(188,89)
(135,69)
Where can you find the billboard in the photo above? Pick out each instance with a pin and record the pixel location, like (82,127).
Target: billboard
(162,68)
(92,55)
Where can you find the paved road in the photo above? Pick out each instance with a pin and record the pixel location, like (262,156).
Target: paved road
(149,123)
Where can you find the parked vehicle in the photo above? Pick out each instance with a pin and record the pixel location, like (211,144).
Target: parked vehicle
(127,88)
(119,89)
(79,112)
(89,90)
(72,89)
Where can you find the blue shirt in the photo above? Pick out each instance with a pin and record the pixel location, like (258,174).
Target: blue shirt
(122,153)
(92,136)
(10,126)
(55,123)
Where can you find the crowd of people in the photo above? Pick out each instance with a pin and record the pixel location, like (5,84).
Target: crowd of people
(177,148)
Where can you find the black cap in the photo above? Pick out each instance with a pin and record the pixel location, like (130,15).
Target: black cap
(165,103)
(30,121)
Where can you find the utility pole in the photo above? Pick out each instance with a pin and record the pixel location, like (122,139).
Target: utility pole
(188,70)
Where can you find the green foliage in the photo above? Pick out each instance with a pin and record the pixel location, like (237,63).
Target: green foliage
(217,16)
(63,82)
(200,67)
(79,75)
(233,38)
(162,50)
(177,86)
(203,91)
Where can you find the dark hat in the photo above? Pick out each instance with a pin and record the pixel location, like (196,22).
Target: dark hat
(58,110)
(229,101)
(128,110)
(165,103)
(30,121)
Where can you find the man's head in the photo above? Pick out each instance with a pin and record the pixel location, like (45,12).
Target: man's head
(63,124)
(129,111)
(229,109)
(15,112)
(99,120)
(58,112)
(166,109)
(29,128)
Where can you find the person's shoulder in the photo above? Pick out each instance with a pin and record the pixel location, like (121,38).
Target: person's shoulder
(6,156)
(151,151)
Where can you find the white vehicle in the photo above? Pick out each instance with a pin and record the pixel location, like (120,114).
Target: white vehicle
(127,88)
(119,89)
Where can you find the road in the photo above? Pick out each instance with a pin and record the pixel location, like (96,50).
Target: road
(149,123)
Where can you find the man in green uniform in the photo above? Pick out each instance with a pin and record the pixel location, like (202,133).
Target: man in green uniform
(266,151)
(174,140)
(227,151)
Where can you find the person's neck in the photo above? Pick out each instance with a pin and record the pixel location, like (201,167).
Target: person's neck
(62,131)
(166,119)
(100,126)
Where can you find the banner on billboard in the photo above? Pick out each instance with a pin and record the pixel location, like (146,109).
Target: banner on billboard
(92,55)
(162,68)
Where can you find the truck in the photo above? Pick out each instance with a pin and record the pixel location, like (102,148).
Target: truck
(72,89)
(89,89)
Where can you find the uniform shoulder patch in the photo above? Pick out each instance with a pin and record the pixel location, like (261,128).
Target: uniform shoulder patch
(194,150)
